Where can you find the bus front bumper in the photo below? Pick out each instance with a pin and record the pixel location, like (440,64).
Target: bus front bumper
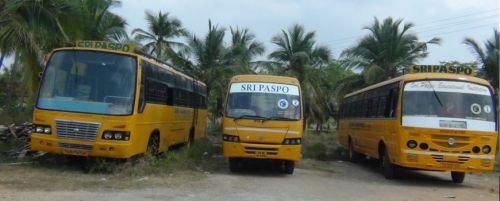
(40,142)
(261,151)
(445,161)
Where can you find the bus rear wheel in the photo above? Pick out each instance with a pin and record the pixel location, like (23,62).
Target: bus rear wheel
(352,155)
(457,177)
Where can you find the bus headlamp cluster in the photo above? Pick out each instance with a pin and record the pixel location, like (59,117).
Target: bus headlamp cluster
(116,135)
(44,129)
(412,144)
(230,138)
(292,141)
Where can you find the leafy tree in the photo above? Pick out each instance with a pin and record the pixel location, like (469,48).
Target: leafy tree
(488,57)
(162,29)
(386,50)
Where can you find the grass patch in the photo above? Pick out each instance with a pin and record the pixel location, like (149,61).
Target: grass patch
(321,146)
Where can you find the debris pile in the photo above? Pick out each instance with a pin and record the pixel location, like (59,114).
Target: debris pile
(15,140)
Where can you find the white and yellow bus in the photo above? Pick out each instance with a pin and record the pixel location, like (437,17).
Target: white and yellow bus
(423,120)
(103,99)
(263,119)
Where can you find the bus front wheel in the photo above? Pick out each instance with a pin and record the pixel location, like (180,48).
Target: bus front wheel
(388,168)
(457,177)
(153,145)
(288,167)
(234,164)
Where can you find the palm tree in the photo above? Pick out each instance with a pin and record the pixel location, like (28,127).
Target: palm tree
(162,28)
(243,49)
(209,55)
(29,29)
(92,20)
(488,57)
(297,49)
(388,48)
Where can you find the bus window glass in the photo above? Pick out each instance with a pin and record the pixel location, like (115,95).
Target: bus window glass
(469,103)
(264,100)
(89,82)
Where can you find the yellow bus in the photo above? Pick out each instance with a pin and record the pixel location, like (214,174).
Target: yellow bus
(425,121)
(102,99)
(263,119)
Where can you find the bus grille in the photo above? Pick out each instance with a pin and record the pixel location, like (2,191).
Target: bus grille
(75,146)
(76,130)
(442,141)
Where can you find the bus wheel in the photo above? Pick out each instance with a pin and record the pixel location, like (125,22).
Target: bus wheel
(352,155)
(191,138)
(234,164)
(289,166)
(153,145)
(388,168)
(457,177)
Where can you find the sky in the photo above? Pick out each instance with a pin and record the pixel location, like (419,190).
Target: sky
(338,23)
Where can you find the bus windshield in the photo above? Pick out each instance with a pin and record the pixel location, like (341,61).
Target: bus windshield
(88,82)
(269,101)
(460,105)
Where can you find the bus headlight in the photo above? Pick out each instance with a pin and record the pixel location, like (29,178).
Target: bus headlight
(107,135)
(292,141)
(116,135)
(43,129)
(486,149)
(230,138)
(411,144)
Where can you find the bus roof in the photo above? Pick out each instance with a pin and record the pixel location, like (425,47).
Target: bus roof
(265,78)
(143,57)
(423,76)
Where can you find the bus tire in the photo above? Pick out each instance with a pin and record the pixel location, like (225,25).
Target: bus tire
(234,164)
(289,167)
(457,177)
(388,168)
(153,144)
(352,155)
(191,138)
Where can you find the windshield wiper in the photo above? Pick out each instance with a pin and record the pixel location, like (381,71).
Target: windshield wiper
(246,116)
(435,94)
(277,118)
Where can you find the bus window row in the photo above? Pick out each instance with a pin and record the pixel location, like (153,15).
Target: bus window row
(168,88)
(380,102)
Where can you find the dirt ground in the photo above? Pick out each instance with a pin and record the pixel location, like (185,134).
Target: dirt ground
(312,180)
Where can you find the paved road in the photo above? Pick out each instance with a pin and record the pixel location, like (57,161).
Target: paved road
(312,180)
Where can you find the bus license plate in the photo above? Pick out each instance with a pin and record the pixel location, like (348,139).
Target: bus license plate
(260,154)
(75,152)
(450,165)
